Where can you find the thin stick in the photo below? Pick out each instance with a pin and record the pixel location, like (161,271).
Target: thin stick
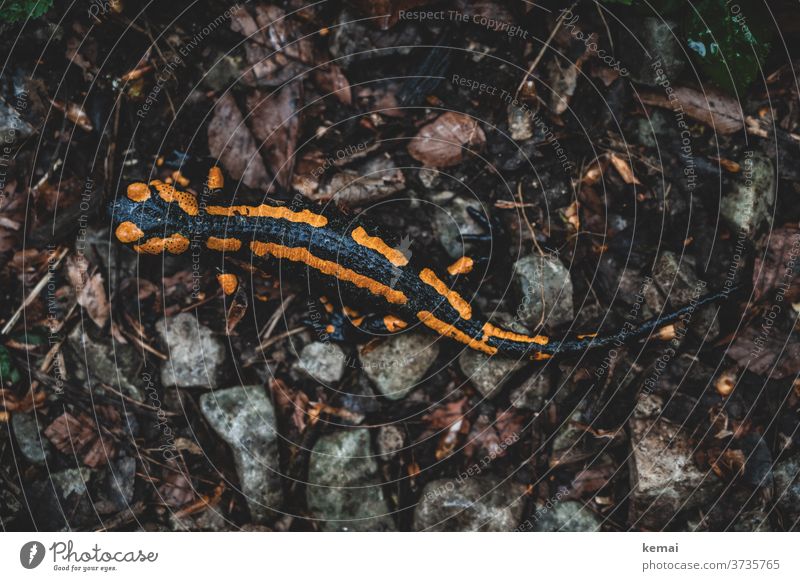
(34,293)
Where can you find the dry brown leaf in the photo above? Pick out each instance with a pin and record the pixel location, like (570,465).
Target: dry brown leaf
(441,142)
(772,269)
(91,294)
(375,180)
(766,352)
(12,216)
(275,121)
(331,79)
(624,169)
(230,141)
(276,48)
(709,106)
(386,12)
(80,437)
(176,489)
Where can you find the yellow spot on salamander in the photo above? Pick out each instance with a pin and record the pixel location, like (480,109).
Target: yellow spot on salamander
(138,192)
(186,201)
(463,265)
(394,324)
(393,255)
(357,322)
(447,330)
(330,268)
(456,301)
(587,336)
(128,232)
(498,333)
(223,244)
(267,211)
(330,329)
(215,180)
(228,282)
(349,312)
(175,244)
(327,304)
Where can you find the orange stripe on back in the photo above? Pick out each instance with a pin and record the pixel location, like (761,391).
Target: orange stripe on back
(223,244)
(393,255)
(456,300)
(498,333)
(186,201)
(267,211)
(329,268)
(447,330)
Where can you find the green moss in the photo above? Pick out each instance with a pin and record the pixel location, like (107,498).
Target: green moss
(16,10)
(729,42)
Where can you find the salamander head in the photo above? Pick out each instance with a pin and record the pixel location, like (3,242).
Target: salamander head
(146,218)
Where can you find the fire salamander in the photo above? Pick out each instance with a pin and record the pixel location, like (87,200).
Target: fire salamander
(340,254)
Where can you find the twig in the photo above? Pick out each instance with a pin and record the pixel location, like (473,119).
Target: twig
(34,293)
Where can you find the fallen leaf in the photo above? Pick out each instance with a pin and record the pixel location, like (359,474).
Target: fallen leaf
(375,180)
(385,13)
(331,79)
(777,267)
(91,293)
(275,123)
(709,106)
(80,437)
(441,143)
(760,351)
(624,169)
(230,141)
(176,489)
(276,49)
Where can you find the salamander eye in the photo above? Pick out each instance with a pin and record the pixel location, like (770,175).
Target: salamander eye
(138,192)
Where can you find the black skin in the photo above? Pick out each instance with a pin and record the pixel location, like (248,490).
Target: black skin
(335,244)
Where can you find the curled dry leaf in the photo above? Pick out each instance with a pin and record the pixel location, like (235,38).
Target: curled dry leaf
(276,49)
(441,143)
(80,437)
(275,121)
(331,79)
(91,293)
(624,169)
(776,269)
(377,179)
(708,106)
(230,141)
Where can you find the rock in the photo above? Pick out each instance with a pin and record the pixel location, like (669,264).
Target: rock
(121,481)
(322,361)
(244,418)
(533,393)
(658,40)
(451,221)
(71,481)
(786,475)
(397,364)
(520,123)
(221,69)
(748,205)
(755,521)
(35,448)
(478,503)
(390,441)
(12,126)
(568,516)
(62,501)
(664,477)
(676,275)
(94,361)
(486,372)
(545,285)
(196,355)
(429,177)
(344,490)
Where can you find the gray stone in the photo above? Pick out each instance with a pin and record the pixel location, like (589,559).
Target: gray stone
(749,204)
(675,275)
(71,481)
(121,481)
(659,44)
(102,361)
(533,393)
(451,221)
(787,488)
(488,373)
(12,126)
(478,503)
(396,365)
(221,70)
(567,516)
(196,355)
(520,123)
(35,448)
(755,521)
(545,287)
(244,418)
(664,477)
(322,361)
(390,441)
(344,490)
